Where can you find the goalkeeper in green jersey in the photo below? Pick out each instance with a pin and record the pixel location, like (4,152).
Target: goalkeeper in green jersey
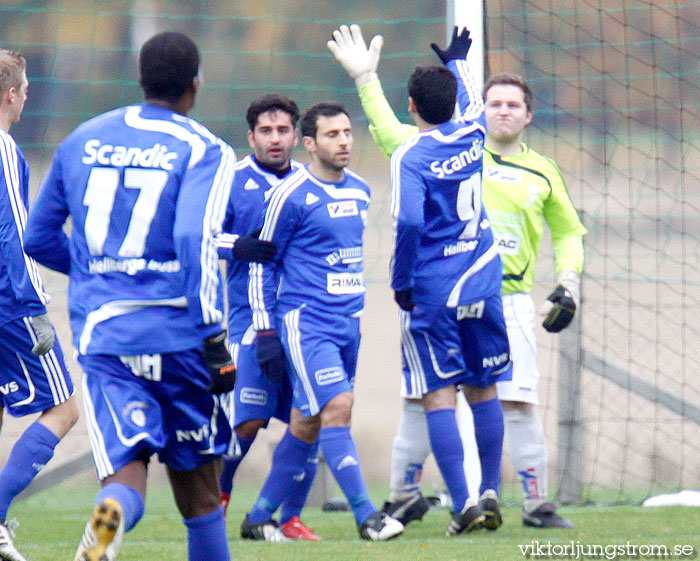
(520,189)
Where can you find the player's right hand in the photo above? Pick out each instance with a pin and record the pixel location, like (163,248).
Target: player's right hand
(350,50)
(250,248)
(219,364)
(44,334)
(458,47)
(404,298)
(270,355)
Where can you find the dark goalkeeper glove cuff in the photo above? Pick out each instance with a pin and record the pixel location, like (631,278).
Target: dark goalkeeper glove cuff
(219,364)
(458,47)
(270,355)
(562,310)
(404,298)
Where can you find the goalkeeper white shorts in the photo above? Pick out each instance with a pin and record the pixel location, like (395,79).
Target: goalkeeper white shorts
(520,316)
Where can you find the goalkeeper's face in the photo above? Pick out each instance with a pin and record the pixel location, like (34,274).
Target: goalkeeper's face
(507,114)
(273,138)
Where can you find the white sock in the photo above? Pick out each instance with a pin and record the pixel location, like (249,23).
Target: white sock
(411,448)
(525,436)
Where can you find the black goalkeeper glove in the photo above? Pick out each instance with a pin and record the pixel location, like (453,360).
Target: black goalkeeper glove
(404,298)
(270,355)
(562,310)
(250,248)
(458,47)
(219,364)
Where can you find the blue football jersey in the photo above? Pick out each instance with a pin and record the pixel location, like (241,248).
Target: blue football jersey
(444,248)
(252,186)
(146,189)
(21,290)
(318,229)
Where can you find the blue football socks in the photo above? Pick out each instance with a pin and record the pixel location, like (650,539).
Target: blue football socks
(449,453)
(288,465)
(231,464)
(129,499)
(341,456)
(29,455)
(294,503)
(488,430)
(206,537)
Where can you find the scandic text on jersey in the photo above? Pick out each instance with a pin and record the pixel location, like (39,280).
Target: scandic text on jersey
(157,156)
(458,162)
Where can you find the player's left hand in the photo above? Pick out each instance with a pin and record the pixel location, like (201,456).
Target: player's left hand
(219,364)
(350,50)
(404,298)
(270,355)
(250,248)
(560,306)
(458,47)
(44,334)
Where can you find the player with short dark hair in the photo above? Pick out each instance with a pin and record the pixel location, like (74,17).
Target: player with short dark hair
(272,135)
(520,188)
(311,325)
(446,276)
(145,187)
(34,377)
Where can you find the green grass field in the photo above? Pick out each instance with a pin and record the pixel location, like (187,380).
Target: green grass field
(52,523)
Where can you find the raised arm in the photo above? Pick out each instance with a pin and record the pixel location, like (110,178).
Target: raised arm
(469,99)
(361,62)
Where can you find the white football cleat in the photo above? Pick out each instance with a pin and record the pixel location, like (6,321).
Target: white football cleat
(8,551)
(380,527)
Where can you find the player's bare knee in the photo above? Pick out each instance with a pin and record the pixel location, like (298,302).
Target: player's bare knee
(338,411)
(305,429)
(521,406)
(61,418)
(249,429)
(475,394)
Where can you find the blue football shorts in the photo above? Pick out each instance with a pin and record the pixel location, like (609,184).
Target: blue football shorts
(29,383)
(136,406)
(322,348)
(255,397)
(454,346)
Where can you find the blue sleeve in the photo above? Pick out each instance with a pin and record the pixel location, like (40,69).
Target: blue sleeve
(199,214)
(408,202)
(280,223)
(226,239)
(469,99)
(45,239)
(22,271)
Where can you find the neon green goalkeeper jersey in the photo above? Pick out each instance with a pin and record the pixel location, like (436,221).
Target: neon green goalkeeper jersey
(519,191)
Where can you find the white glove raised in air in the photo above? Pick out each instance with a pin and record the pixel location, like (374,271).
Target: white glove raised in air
(350,50)
(561,305)
(44,334)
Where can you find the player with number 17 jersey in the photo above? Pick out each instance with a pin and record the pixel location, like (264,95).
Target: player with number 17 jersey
(142,200)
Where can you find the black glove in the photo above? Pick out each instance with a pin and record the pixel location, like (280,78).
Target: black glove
(458,47)
(270,355)
(404,298)
(562,311)
(218,361)
(250,248)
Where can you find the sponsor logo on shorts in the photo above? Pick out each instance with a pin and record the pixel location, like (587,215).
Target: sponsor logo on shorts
(253,396)
(9,388)
(190,435)
(497,360)
(136,412)
(342,209)
(329,376)
(475,310)
(345,283)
